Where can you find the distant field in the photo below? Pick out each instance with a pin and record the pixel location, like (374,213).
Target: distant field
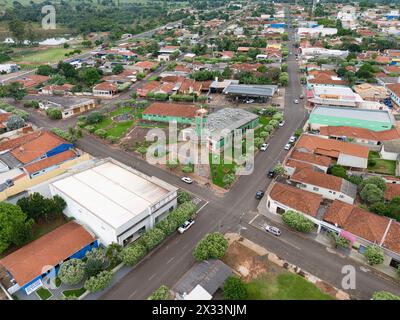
(52,55)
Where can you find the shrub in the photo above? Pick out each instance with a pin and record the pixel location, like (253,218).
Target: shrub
(228,179)
(371,163)
(101,133)
(112,139)
(63,134)
(152,238)
(338,171)
(297,221)
(371,194)
(72,272)
(162,293)
(384,295)
(277,116)
(93,267)
(213,245)
(234,289)
(183,196)
(374,255)
(377,181)
(23,114)
(91,129)
(133,253)
(94,117)
(54,113)
(15,122)
(187,169)
(274,123)
(99,282)
(264,134)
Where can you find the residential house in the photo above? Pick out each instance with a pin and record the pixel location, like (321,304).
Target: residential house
(344,153)
(105,90)
(167,112)
(69,106)
(33,80)
(324,78)
(190,86)
(56,89)
(144,66)
(371,92)
(299,160)
(328,186)
(394,91)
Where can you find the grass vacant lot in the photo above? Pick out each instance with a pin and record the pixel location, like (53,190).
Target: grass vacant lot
(51,55)
(43,293)
(74,293)
(285,286)
(378,165)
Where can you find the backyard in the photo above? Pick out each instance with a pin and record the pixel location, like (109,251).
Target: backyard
(378,165)
(265,280)
(220,169)
(38,57)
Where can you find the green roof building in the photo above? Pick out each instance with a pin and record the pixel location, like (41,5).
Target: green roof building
(375,120)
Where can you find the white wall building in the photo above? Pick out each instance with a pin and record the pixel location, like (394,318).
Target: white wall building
(116,202)
(316,31)
(348,17)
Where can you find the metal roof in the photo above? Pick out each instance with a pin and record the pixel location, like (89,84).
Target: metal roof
(251,90)
(210,274)
(357,114)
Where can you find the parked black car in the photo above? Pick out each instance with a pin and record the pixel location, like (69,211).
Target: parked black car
(271,174)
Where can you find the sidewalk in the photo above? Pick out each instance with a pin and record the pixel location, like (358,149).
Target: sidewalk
(383,270)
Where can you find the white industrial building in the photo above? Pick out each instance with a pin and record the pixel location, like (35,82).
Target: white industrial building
(116,202)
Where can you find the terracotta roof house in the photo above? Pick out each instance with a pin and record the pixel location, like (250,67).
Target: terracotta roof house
(392,70)
(324,77)
(328,186)
(394,91)
(166,112)
(32,80)
(190,86)
(359,135)
(144,66)
(148,87)
(359,222)
(105,90)
(392,190)
(392,239)
(347,154)
(54,89)
(298,160)
(26,265)
(284,197)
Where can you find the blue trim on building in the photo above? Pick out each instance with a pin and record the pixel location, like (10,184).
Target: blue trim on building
(59,149)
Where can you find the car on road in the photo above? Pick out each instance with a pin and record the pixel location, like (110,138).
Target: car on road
(288,146)
(292,139)
(274,230)
(282,123)
(296,101)
(271,173)
(187,180)
(264,147)
(259,194)
(185,226)
(249,100)
(301,96)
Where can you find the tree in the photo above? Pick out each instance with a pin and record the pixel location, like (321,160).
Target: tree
(54,113)
(384,295)
(117,69)
(45,70)
(152,238)
(371,194)
(133,253)
(172,164)
(234,289)
(279,170)
(274,123)
(297,221)
(97,254)
(90,76)
(162,293)
(113,253)
(377,181)
(374,255)
(228,179)
(15,122)
(338,171)
(93,267)
(15,226)
(94,118)
(99,282)
(15,90)
(212,246)
(17,29)
(72,272)
(183,196)
(284,79)
(278,116)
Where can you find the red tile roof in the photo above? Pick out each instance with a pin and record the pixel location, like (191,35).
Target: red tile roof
(171,109)
(13,143)
(4,116)
(52,161)
(311,158)
(32,80)
(297,199)
(395,88)
(392,239)
(392,190)
(320,179)
(106,86)
(145,64)
(28,262)
(361,133)
(357,221)
(331,148)
(36,148)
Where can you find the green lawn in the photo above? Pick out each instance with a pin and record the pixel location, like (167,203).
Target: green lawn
(120,129)
(285,286)
(218,171)
(381,166)
(75,292)
(52,55)
(43,293)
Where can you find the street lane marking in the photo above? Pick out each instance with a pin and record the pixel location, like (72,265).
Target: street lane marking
(132,294)
(202,207)
(170,260)
(252,220)
(152,276)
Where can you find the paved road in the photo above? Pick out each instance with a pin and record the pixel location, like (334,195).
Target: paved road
(171,261)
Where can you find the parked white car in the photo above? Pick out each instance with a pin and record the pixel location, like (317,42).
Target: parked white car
(264,147)
(185,226)
(296,101)
(274,230)
(187,180)
(288,146)
(292,139)
(282,123)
